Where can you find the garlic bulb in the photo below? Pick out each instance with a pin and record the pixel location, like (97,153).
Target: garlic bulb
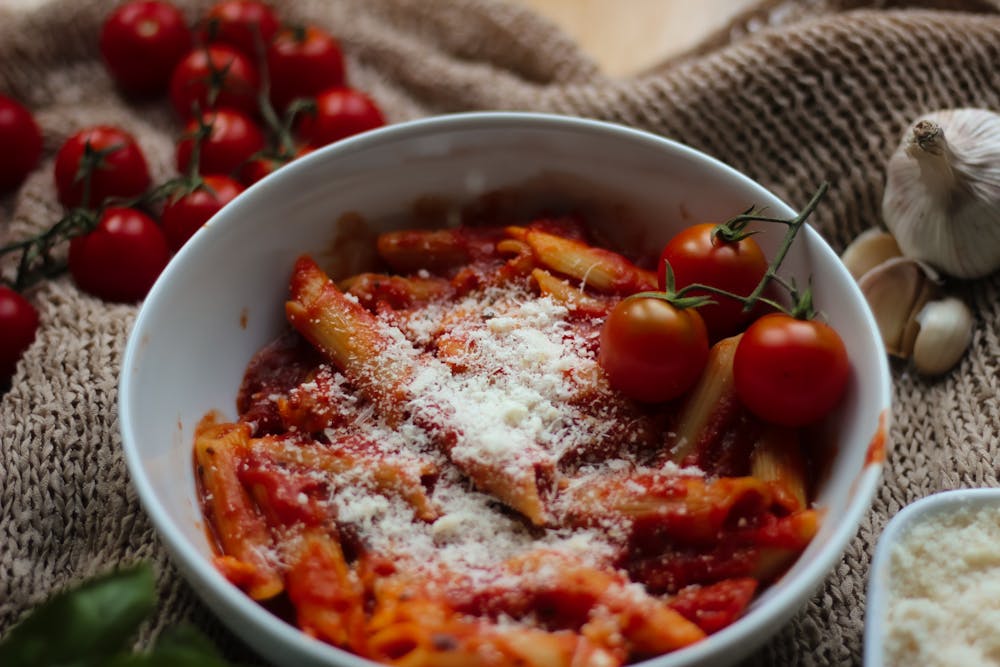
(942,193)
(945,333)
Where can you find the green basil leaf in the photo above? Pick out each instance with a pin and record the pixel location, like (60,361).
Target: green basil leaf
(83,626)
(182,646)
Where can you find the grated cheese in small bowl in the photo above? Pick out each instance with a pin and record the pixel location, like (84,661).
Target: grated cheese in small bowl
(934,588)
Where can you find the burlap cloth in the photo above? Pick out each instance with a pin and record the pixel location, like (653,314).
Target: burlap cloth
(793,93)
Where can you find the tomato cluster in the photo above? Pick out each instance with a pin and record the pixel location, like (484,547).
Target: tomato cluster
(250,93)
(789,368)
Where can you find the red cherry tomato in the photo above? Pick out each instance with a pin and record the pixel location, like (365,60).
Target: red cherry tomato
(121,258)
(234,74)
(303,62)
(259,167)
(20,143)
(116,163)
(240,23)
(183,217)
(698,255)
(651,350)
(142,42)
(233,140)
(340,113)
(788,371)
(18,325)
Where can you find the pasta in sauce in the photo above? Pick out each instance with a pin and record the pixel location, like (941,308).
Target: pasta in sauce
(432,469)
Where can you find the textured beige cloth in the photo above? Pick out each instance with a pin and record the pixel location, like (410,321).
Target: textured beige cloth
(792,94)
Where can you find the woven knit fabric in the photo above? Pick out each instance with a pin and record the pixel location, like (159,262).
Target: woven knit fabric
(793,93)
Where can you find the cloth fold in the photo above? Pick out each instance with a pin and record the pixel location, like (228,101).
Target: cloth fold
(792,93)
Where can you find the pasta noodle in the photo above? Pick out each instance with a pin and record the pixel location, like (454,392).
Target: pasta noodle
(433,470)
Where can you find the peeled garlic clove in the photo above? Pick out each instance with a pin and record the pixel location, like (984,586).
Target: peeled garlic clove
(868,250)
(896,290)
(944,336)
(942,192)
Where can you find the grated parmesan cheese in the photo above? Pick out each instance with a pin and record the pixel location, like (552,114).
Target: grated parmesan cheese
(944,592)
(527,391)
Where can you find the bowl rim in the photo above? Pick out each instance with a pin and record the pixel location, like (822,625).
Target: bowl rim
(231,605)
(923,509)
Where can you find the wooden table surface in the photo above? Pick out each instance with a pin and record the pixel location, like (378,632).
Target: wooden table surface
(626,36)
(623,36)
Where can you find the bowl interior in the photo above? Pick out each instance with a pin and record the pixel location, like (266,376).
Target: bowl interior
(221,298)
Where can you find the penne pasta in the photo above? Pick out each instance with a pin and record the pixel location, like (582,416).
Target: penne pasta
(388,476)
(596,268)
(433,469)
(349,336)
(327,595)
(240,529)
(777,459)
(711,399)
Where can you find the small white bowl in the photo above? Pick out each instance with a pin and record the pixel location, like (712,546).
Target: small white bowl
(879,594)
(221,299)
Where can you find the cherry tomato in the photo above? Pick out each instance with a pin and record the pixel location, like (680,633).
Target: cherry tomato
(788,371)
(651,350)
(259,167)
(121,258)
(234,74)
(20,143)
(233,140)
(18,325)
(340,112)
(698,255)
(303,62)
(115,162)
(183,217)
(240,24)
(142,42)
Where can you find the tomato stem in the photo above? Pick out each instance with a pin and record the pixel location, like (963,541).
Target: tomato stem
(802,307)
(786,243)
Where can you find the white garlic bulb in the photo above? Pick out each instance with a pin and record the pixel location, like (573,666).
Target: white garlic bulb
(942,193)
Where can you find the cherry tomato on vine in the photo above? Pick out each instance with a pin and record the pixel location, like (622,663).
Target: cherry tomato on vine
(121,258)
(698,255)
(113,159)
(651,350)
(233,74)
(303,62)
(233,139)
(340,113)
(262,166)
(788,371)
(20,143)
(183,217)
(142,42)
(240,24)
(18,325)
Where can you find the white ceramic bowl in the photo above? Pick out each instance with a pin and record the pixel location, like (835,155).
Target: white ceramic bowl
(925,509)
(221,298)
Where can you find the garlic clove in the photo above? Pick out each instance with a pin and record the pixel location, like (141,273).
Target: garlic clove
(942,192)
(868,250)
(896,290)
(945,334)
